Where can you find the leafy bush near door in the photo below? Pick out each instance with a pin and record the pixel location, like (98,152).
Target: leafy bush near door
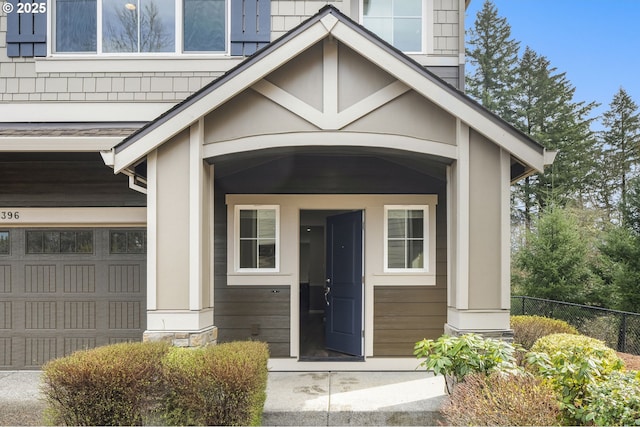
(153,383)
(457,357)
(583,376)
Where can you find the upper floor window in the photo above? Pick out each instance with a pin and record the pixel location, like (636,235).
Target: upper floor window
(139,26)
(398,22)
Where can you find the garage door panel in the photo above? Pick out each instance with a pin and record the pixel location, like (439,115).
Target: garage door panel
(6,315)
(54,304)
(6,352)
(79,278)
(125,278)
(5,278)
(40,278)
(40,349)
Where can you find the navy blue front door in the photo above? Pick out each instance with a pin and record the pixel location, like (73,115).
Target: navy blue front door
(344,283)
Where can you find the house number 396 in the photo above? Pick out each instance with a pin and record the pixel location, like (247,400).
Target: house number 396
(9,215)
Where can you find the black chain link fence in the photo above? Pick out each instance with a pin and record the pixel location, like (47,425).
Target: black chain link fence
(620,330)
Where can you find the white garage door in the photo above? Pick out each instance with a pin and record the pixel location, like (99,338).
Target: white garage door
(66,289)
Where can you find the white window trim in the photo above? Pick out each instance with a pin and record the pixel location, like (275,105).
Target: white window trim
(236,239)
(426,239)
(179,38)
(424,46)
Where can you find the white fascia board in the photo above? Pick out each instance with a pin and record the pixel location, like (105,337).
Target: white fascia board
(57,143)
(172,126)
(438,95)
(60,112)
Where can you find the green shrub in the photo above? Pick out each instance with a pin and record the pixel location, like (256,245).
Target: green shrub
(581,345)
(572,363)
(217,385)
(466,354)
(111,385)
(527,329)
(502,399)
(614,401)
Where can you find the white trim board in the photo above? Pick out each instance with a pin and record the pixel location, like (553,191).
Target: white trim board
(16,112)
(74,217)
(58,143)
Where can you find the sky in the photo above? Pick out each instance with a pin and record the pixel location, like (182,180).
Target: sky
(596,42)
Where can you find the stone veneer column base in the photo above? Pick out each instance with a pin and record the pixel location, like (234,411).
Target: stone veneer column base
(505,335)
(205,337)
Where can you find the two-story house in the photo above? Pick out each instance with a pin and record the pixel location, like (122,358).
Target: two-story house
(308,173)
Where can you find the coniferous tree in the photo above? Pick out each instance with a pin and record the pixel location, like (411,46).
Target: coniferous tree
(493,55)
(544,109)
(622,247)
(620,152)
(555,264)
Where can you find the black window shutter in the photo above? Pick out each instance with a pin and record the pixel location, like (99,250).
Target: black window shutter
(250,26)
(26,32)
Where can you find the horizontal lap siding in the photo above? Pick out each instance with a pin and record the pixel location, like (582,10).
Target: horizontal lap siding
(62,180)
(259,313)
(247,313)
(406,314)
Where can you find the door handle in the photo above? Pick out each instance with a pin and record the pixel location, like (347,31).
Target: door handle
(327,289)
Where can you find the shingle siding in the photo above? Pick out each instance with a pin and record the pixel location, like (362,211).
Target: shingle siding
(19,81)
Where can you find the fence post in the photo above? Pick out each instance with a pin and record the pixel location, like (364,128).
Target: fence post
(622,334)
(522,298)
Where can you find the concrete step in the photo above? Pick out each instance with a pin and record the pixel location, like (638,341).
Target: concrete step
(353,398)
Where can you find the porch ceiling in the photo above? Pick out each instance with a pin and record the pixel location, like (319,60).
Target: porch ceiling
(431,166)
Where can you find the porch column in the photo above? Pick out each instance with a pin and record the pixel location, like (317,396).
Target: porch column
(180,242)
(478,185)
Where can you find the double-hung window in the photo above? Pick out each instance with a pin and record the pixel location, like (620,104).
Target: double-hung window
(139,26)
(398,22)
(406,238)
(257,238)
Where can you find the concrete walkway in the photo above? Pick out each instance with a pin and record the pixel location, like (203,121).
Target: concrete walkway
(353,398)
(293,398)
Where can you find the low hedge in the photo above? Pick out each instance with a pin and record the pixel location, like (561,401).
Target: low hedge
(528,329)
(233,394)
(112,385)
(152,383)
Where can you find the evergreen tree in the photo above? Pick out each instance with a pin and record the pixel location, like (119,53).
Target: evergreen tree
(493,56)
(620,151)
(622,247)
(545,110)
(555,262)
